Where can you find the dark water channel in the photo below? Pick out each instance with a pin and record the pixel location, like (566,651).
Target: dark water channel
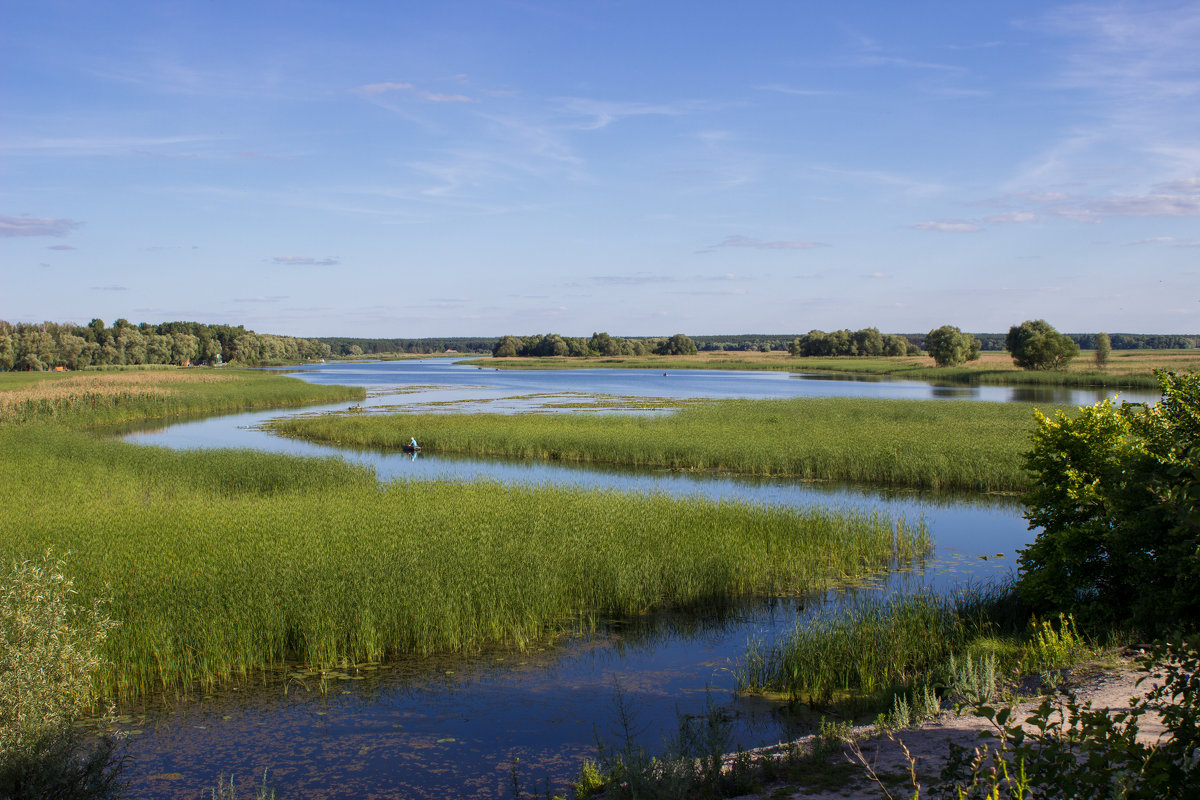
(452,727)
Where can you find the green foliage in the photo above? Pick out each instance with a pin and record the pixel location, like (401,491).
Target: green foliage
(1035,344)
(601,344)
(1052,648)
(224,562)
(870,650)
(47,345)
(865,342)
(1103,349)
(50,648)
(948,346)
(929,444)
(1114,490)
(1069,749)
(677,345)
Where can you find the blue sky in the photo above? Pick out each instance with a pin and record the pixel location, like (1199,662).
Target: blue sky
(643,168)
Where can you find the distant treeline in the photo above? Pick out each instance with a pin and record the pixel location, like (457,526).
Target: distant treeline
(864,342)
(345,345)
(47,345)
(599,344)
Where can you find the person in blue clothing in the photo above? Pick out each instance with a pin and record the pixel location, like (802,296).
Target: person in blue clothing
(413,443)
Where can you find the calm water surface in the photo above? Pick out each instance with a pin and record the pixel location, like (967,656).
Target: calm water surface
(452,727)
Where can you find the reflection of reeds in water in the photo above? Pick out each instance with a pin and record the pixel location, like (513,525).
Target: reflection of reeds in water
(911,443)
(221,562)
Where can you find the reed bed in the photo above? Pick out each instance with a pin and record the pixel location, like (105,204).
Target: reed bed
(98,398)
(222,563)
(869,650)
(935,444)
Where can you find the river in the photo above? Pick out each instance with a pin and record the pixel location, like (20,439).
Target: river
(456,727)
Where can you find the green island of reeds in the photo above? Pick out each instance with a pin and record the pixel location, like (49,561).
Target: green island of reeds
(220,563)
(931,444)
(1126,369)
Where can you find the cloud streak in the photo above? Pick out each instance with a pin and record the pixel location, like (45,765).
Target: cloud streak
(377,89)
(759,244)
(947,226)
(305,261)
(11,227)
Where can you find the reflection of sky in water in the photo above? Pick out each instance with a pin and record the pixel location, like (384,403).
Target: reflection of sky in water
(431,727)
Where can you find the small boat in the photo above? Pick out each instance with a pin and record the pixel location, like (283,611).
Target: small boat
(410,448)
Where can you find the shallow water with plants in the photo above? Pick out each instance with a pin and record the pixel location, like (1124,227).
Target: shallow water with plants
(380,723)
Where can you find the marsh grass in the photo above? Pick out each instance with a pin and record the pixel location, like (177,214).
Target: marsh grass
(106,398)
(903,443)
(871,651)
(225,562)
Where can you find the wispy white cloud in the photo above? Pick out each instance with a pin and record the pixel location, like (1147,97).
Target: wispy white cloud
(912,186)
(408,89)
(948,226)
(61,247)
(793,90)
(97,145)
(599,114)
(759,244)
(1012,216)
(1164,200)
(261,299)
(34,226)
(1170,241)
(638,279)
(305,261)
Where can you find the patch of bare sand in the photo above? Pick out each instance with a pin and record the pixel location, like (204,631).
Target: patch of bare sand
(842,777)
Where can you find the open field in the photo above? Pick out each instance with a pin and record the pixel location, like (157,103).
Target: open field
(219,563)
(1126,368)
(912,443)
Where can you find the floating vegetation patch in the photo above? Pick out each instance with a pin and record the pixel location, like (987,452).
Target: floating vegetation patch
(925,444)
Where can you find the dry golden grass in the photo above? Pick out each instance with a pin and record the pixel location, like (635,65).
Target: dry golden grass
(102,384)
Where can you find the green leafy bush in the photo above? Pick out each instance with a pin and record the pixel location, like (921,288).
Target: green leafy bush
(1115,492)
(49,649)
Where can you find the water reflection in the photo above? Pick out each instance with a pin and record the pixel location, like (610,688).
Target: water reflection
(439,727)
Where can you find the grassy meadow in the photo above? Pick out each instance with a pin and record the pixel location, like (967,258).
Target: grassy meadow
(220,563)
(934,444)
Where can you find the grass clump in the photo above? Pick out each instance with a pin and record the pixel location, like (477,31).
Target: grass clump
(862,655)
(911,443)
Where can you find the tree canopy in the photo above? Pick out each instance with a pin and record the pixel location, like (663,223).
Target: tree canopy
(949,346)
(864,342)
(48,345)
(1035,344)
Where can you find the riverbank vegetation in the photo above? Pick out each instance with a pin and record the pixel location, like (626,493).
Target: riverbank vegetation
(1114,489)
(93,399)
(221,563)
(1125,369)
(903,443)
(50,345)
